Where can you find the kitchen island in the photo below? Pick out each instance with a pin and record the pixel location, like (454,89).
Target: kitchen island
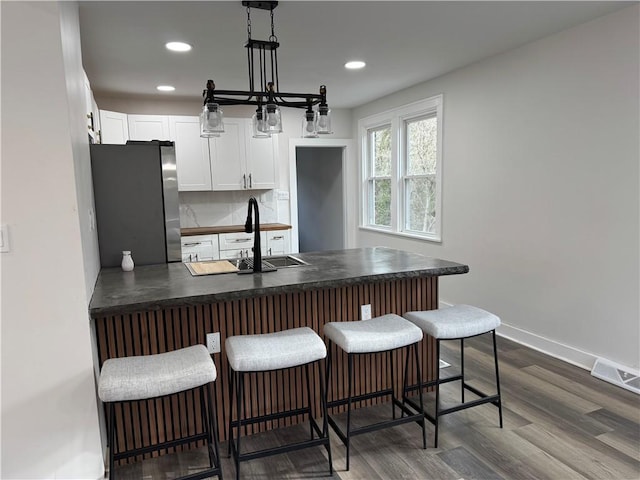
(159,308)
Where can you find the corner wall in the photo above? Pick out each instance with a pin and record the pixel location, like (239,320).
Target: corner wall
(49,411)
(541,189)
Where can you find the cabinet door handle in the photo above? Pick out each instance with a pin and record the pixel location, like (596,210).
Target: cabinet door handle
(242,240)
(279,237)
(250,182)
(192,244)
(269,250)
(244,180)
(196,257)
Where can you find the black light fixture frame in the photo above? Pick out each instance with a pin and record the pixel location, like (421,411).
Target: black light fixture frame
(265,53)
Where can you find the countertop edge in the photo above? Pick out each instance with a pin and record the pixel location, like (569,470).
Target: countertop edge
(265,227)
(257,292)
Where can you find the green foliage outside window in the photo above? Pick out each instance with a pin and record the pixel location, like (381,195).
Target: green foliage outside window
(420,176)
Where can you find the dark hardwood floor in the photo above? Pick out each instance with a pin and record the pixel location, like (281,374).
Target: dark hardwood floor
(559,423)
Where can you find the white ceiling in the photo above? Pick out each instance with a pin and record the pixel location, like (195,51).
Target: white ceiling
(403,43)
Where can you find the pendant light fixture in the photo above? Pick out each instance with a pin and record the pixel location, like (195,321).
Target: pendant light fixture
(262,61)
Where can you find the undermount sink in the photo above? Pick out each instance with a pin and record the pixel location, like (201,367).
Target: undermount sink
(270,263)
(284,261)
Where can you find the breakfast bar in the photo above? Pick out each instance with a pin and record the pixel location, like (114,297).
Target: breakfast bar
(160,308)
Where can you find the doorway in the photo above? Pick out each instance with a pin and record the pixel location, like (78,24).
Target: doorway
(318,196)
(319,178)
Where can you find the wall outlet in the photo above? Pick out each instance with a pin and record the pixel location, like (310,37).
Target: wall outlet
(365,312)
(213,342)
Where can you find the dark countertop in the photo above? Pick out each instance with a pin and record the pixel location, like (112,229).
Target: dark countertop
(264,227)
(153,287)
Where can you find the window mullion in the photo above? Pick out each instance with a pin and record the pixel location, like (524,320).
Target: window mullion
(396,146)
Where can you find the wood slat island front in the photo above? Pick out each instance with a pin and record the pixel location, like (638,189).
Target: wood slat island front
(162,308)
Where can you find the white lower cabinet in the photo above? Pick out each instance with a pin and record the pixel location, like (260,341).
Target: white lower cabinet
(230,246)
(278,242)
(239,245)
(200,248)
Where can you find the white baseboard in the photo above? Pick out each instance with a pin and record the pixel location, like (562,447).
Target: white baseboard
(555,349)
(547,346)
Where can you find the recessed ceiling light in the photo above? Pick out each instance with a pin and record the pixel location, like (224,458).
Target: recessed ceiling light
(354,65)
(178,46)
(166,88)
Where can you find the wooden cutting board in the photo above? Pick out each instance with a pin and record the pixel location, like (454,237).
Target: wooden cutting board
(211,268)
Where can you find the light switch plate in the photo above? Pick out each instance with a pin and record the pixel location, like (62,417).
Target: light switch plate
(365,312)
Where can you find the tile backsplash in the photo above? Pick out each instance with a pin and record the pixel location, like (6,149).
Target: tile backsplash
(207,209)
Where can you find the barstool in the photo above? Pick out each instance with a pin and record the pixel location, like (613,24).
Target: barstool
(380,334)
(296,347)
(153,376)
(457,323)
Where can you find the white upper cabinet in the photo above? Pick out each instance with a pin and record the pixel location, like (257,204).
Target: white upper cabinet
(92,112)
(262,160)
(233,161)
(228,157)
(114,127)
(148,127)
(192,154)
(241,162)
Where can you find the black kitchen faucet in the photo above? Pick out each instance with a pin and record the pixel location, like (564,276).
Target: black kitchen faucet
(257,248)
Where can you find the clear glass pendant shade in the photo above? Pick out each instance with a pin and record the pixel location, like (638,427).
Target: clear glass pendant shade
(211,120)
(309,124)
(273,120)
(324,120)
(259,125)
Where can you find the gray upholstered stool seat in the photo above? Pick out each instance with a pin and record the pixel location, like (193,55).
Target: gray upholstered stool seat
(457,321)
(272,351)
(379,334)
(140,378)
(251,355)
(149,376)
(385,333)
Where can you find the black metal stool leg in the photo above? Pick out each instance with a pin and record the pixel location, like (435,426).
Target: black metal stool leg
(231,376)
(495,356)
(325,411)
(307,375)
(215,431)
(240,410)
(350,379)
(419,374)
(393,382)
(327,371)
(437,392)
(206,423)
(112,430)
(462,368)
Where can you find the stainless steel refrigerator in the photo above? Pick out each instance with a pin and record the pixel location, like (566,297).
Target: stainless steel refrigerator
(135,188)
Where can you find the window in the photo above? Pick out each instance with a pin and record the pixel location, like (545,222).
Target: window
(380,179)
(401,166)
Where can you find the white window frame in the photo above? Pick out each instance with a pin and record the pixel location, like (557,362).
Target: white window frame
(397,118)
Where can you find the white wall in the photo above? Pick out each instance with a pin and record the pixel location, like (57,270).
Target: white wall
(49,410)
(540,188)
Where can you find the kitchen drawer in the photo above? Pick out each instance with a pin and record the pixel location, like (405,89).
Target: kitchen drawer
(235,253)
(199,248)
(239,241)
(277,242)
